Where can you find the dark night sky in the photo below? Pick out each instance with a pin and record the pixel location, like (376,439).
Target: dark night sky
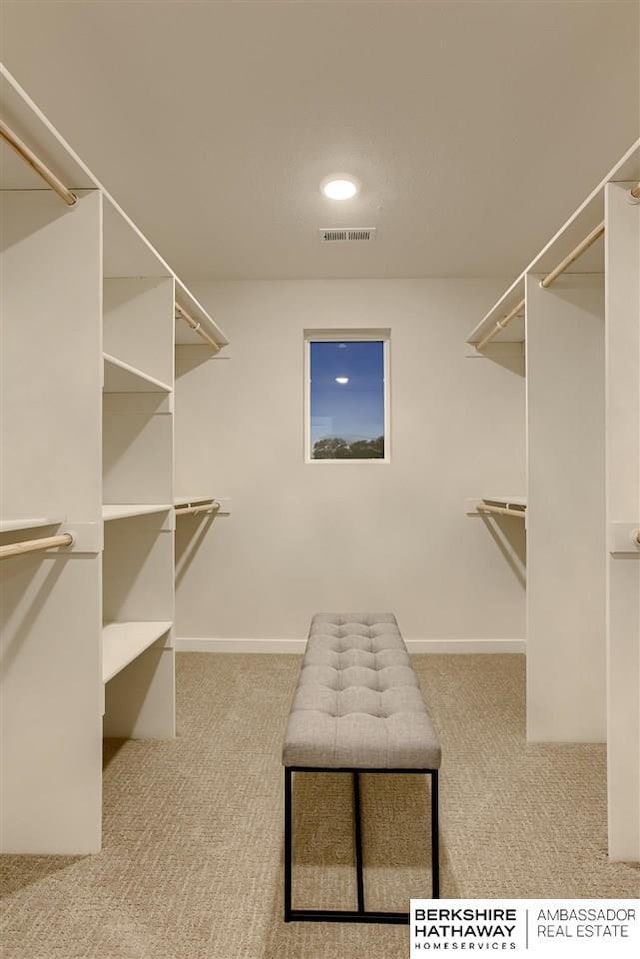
(354,410)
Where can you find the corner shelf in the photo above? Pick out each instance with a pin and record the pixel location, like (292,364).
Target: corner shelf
(19,523)
(120,377)
(111,299)
(124,510)
(124,642)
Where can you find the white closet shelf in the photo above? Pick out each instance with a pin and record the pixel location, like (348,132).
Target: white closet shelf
(192,500)
(501,506)
(124,642)
(13,524)
(120,377)
(124,510)
(506,500)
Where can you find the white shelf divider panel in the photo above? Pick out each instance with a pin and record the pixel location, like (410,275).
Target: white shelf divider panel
(126,510)
(50,688)
(120,377)
(623,512)
(50,267)
(124,642)
(566,650)
(19,523)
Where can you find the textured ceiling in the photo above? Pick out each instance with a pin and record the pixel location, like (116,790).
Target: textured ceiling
(475,127)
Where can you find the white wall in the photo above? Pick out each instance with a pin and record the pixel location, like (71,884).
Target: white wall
(303,538)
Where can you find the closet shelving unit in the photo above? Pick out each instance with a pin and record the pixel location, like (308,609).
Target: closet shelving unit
(88,332)
(138,662)
(576,309)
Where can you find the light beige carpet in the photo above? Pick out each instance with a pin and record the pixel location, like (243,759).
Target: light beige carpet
(192,859)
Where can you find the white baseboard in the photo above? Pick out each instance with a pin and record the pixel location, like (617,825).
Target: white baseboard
(466,646)
(207,644)
(203,644)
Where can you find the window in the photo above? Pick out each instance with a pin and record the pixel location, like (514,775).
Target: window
(347,406)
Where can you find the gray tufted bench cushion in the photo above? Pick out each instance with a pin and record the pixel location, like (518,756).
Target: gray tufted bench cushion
(358,702)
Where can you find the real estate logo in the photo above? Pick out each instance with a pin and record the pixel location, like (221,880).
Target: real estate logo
(438,925)
(570,927)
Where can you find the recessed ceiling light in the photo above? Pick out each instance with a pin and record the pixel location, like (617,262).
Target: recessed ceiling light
(339,186)
(342,380)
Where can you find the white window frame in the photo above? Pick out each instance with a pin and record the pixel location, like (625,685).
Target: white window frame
(337,335)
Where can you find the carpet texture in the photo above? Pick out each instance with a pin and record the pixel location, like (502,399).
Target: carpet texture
(192,860)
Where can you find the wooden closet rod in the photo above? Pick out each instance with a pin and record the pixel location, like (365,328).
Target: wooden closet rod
(34,545)
(196,327)
(36,164)
(635,193)
(198,508)
(550,278)
(584,245)
(503,510)
(500,325)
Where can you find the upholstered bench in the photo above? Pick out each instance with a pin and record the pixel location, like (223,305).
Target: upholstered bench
(357,709)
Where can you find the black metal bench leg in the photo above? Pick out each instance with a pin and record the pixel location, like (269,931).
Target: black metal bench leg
(288,843)
(358,841)
(360,914)
(435,836)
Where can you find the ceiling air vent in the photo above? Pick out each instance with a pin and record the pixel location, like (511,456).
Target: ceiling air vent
(353,235)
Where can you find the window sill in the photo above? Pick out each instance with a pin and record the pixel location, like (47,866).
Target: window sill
(370,462)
